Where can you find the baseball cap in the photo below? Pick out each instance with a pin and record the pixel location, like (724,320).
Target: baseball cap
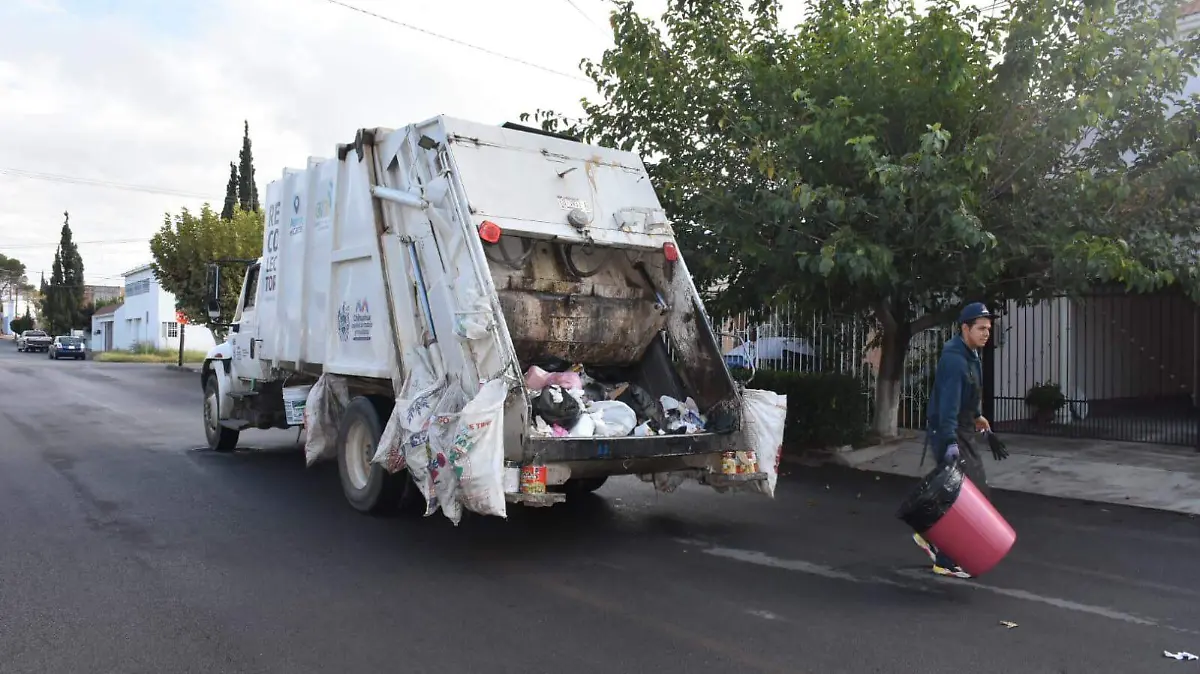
(974,310)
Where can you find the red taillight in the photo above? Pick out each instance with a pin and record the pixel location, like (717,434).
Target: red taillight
(490,231)
(670,252)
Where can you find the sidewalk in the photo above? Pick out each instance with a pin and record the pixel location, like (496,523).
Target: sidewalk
(1160,477)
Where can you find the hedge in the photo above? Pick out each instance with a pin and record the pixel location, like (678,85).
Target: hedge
(824,409)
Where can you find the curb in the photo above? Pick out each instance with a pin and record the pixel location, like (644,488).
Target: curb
(841,456)
(183,368)
(853,458)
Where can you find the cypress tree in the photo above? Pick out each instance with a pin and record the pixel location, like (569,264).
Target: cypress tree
(62,298)
(247,190)
(231,193)
(72,262)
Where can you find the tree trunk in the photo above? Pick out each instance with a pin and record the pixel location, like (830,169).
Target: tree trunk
(893,347)
(182,332)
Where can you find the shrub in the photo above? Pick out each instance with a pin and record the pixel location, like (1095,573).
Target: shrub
(824,409)
(21,324)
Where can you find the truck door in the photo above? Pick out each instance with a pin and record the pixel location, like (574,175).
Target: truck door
(245,338)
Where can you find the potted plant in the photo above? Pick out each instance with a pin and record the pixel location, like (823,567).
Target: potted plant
(1045,400)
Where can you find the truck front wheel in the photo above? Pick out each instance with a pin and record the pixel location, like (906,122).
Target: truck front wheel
(368,486)
(220,439)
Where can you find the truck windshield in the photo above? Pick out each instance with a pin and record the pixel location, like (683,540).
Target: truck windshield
(35,333)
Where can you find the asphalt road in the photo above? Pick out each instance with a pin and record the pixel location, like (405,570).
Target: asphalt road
(123,548)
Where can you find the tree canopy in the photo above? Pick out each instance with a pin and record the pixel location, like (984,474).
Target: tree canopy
(21,323)
(187,242)
(896,162)
(12,276)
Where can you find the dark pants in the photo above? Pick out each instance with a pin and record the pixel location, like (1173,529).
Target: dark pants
(971,463)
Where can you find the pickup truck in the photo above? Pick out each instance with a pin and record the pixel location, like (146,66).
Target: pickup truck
(33,340)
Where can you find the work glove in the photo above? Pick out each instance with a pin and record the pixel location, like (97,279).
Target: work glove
(999,453)
(951,453)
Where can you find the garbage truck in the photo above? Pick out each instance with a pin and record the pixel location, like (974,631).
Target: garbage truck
(469,316)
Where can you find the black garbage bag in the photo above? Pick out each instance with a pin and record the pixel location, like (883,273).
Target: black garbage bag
(556,406)
(933,497)
(644,405)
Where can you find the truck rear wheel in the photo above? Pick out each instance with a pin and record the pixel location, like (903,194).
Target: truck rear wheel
(368,486)
(220,439)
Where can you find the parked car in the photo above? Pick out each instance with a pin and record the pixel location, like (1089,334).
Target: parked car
(33,340)
(65,346)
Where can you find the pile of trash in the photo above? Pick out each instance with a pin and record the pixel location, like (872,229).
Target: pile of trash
(569,403)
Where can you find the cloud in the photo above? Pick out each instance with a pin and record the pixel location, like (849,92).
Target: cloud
(146,92)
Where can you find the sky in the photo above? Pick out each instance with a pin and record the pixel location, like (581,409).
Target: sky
(120,111)
(153,93)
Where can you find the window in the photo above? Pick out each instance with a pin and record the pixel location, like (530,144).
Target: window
(251,293)
(137,287)
(171,330)
(251,287)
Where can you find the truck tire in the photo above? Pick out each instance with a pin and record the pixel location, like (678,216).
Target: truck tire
(368,486)
(220,439)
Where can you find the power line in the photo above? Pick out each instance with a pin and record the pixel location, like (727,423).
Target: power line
(99,242)
(56,178)
(586,16)
(456,41)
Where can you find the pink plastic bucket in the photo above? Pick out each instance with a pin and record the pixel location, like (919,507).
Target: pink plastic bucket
(972,532)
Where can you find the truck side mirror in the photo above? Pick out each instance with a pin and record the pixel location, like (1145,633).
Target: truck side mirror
(213,285)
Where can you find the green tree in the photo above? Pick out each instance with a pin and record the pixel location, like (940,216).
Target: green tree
(13,284)
(22,323)
(247,190)
(12,276)
(895,162)
(62,299)
(184,246)
(231,193)
(91,308)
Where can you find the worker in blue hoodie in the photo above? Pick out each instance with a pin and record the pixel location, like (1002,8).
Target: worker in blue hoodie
(956,415)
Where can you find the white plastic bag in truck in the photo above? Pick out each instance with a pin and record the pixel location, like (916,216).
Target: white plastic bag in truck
(763,416)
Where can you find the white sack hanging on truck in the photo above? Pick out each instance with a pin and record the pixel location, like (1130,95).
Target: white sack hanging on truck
(327,399)
(764,415)
(469,459)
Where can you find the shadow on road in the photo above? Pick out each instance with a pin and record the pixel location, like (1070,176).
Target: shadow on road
(582,525)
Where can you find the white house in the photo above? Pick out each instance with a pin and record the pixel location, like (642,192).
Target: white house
(146,319)
(14,308)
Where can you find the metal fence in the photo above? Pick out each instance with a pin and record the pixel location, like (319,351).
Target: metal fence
(1110,365)
(799,341)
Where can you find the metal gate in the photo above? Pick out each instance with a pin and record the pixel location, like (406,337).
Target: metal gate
(1109,365)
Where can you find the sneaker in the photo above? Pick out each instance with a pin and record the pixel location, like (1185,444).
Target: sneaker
(955,571)
(924,545)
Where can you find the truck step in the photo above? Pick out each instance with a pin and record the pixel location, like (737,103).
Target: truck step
(737,480)
(535,500)
(628,447)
